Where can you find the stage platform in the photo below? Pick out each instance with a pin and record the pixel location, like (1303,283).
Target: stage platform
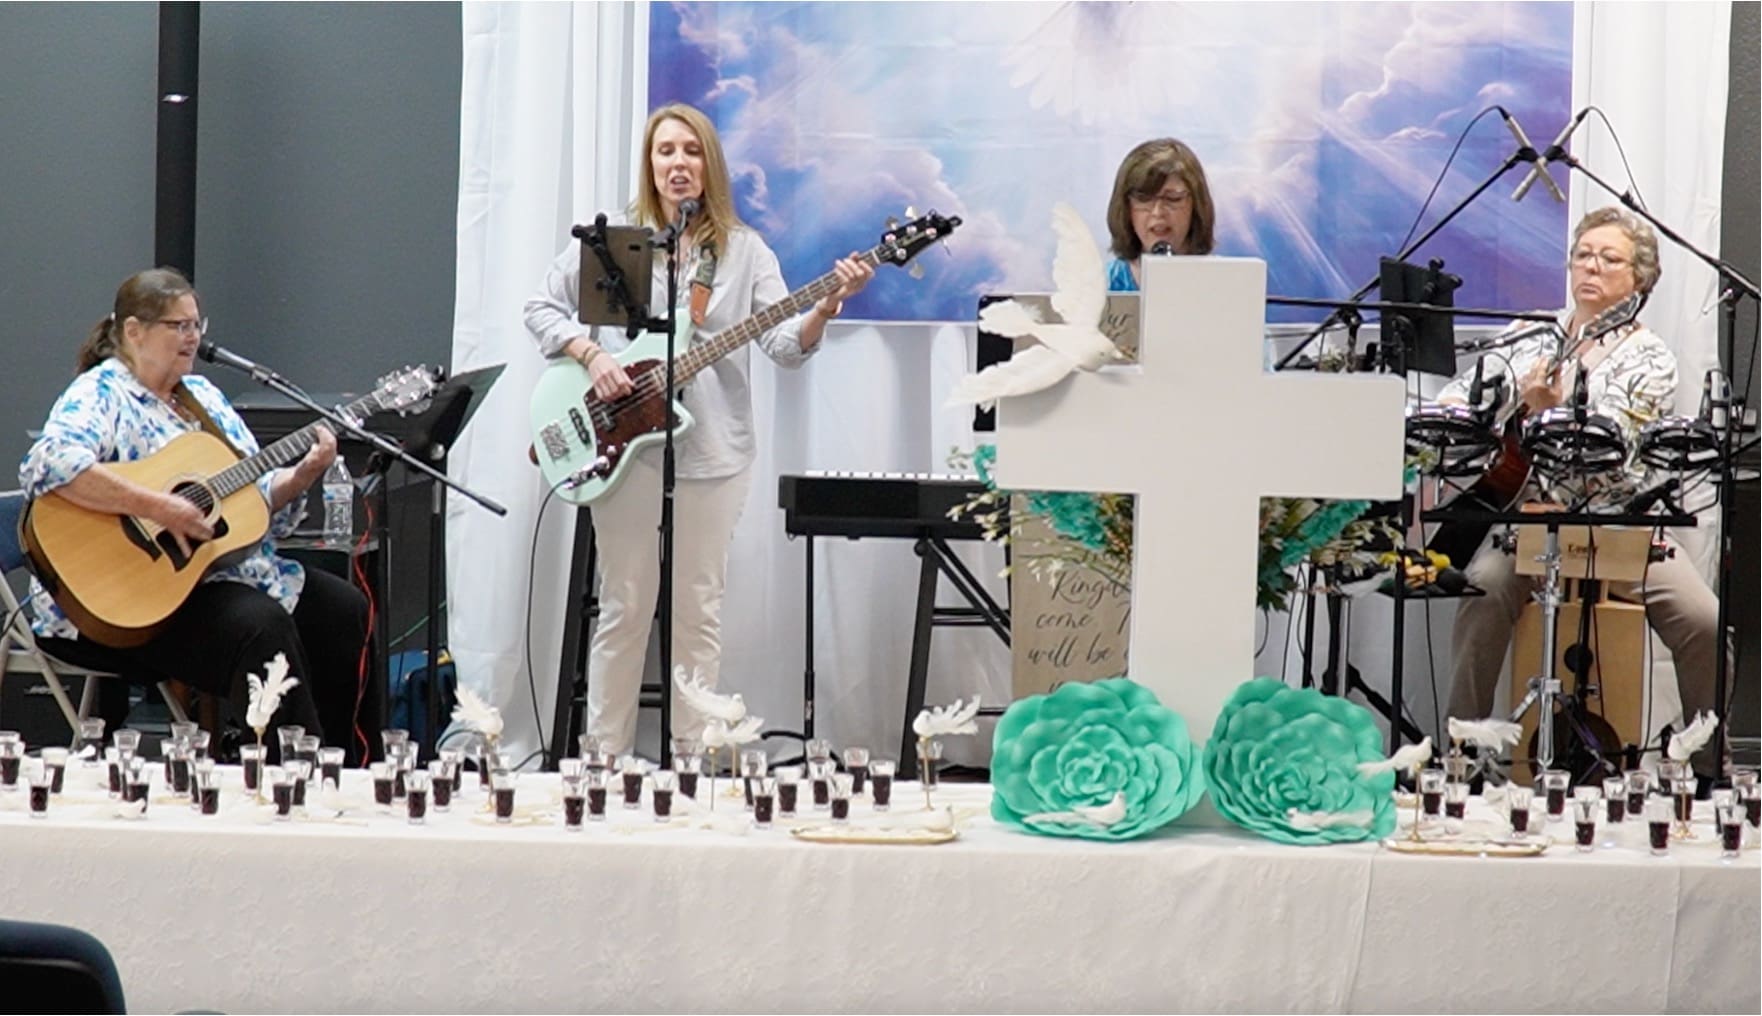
(236,913)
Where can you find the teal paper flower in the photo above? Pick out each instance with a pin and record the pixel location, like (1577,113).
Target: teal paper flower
(1283,762)
(1087,747)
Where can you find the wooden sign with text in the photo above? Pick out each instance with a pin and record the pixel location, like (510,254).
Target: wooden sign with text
(1071,626)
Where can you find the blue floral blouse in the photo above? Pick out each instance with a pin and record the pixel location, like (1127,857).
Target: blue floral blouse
(107,415)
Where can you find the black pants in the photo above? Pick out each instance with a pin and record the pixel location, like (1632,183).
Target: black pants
(226,630)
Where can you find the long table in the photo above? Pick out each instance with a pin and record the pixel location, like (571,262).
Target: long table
(368,913)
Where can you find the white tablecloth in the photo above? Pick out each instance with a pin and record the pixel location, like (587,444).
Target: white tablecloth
(240,914)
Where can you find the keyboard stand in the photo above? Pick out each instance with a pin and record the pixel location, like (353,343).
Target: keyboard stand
(982,609)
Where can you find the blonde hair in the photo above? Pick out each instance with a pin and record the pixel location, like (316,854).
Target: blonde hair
(717,218)
(1143,172)
(143,296)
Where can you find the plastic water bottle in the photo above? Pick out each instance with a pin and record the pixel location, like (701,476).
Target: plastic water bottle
(339,505)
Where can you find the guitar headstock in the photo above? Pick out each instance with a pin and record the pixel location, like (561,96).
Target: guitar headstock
(405,390)
(1616,317)
(904,241)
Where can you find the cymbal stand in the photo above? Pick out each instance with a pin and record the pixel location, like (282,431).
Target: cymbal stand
(1546,686)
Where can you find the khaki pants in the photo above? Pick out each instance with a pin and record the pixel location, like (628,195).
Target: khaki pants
(1679,607)
(626,528)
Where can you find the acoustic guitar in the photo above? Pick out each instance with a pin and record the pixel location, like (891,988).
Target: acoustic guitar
(119,578)
(583,444)
(1501,486)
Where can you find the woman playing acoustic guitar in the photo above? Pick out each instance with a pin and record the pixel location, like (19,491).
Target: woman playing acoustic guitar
(1629,376)
(133,396)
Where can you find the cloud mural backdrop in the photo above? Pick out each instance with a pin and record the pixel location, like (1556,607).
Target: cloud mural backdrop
(1322,128)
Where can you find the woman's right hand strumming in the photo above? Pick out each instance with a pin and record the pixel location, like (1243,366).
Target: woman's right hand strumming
(609,379)
(181,519)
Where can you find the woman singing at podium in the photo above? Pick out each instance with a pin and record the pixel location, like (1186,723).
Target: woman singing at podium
(1629,376)
(728,274)
(1159,197)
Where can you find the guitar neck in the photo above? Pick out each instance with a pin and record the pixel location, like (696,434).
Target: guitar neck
(700,356)
(289,449)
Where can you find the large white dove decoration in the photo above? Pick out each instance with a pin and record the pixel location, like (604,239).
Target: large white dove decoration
(1074,342)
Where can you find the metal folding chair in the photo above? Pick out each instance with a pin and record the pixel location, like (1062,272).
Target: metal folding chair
(19,650)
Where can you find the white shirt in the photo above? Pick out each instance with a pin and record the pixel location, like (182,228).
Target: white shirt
(747,281)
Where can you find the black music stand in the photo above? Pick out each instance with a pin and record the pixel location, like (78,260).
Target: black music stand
(425,435)
(430,434)
(1424,341)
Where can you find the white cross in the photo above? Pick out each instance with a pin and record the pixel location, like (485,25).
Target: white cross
(1200,433)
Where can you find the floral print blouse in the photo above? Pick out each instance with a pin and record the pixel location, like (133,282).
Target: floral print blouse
(107,415)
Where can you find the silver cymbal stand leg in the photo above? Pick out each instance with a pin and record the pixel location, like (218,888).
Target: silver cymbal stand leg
(1549,684)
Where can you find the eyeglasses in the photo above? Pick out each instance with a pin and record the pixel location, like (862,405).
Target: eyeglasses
(187,328)
(1169,204)
(1608,261)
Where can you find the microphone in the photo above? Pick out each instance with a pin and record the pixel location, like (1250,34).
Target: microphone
(1581,395)
(1645,499)
(1554,151)
(1502,340)
(1478,388)
(214,354)
(688,210)
(1162,247)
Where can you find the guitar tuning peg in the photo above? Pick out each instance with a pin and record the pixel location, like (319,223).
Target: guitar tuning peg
(892,223)
(916,271)
(910,212)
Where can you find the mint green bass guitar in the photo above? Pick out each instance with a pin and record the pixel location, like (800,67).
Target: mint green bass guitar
(583,443)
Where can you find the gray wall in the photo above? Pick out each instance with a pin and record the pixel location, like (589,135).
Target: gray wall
(1738,243)
(327,184)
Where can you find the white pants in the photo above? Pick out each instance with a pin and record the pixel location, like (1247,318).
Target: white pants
(626,526)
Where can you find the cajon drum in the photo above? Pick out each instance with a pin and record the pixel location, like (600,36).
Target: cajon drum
(1618,668)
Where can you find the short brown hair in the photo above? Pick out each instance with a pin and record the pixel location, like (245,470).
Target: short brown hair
(717,218)
(1646,268)
(143,296)
(1143,172)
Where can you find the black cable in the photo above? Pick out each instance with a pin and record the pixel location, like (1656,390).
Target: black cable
(531,579)
(1460,138)
(1432,672)
(1631,182)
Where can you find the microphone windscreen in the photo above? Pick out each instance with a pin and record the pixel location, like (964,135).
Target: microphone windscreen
(1452,580)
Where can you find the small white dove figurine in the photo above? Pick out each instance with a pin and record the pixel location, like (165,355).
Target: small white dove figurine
(1103,815)
(1075,342)
(473,712)
(267,692)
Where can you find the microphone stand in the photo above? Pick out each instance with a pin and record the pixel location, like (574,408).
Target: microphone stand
(1522,154)
(383,446)
(669,481)
(1733,286)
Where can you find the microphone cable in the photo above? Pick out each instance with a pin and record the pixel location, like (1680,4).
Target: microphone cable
(1460,138)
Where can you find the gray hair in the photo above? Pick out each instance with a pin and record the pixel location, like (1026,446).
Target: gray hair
(1646,270)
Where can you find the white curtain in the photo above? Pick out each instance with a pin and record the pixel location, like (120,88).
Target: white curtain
(551,93)
(553,100)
